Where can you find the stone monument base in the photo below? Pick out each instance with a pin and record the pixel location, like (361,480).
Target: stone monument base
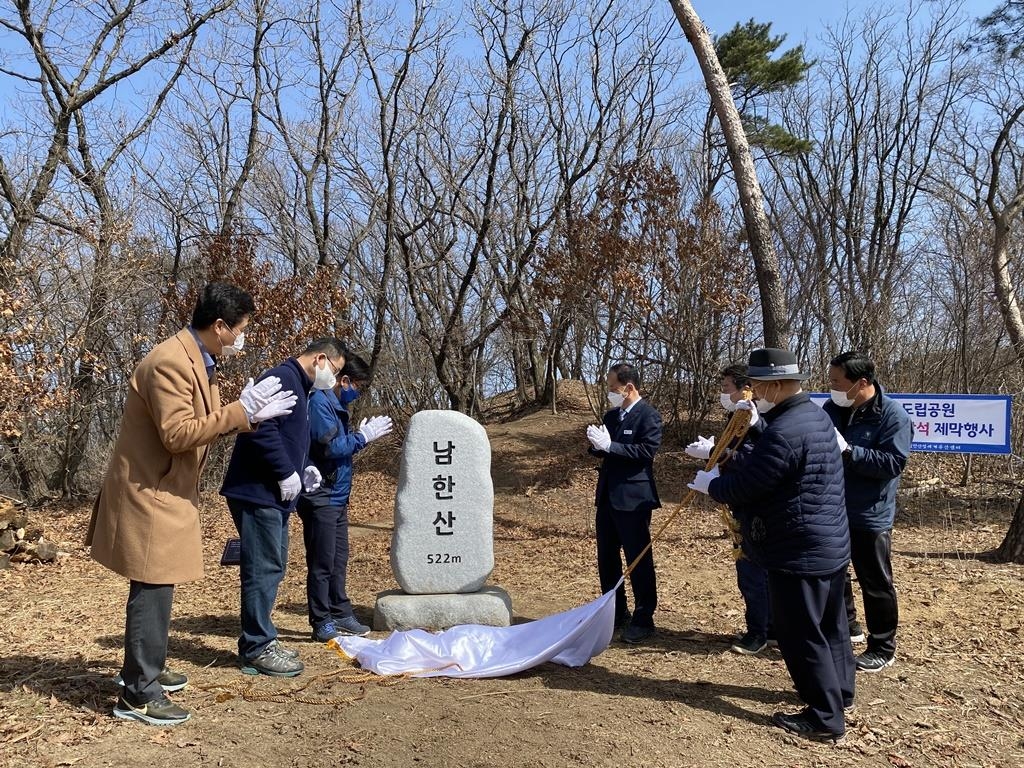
(395,609)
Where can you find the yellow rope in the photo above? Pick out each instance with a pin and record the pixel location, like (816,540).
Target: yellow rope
(726,444)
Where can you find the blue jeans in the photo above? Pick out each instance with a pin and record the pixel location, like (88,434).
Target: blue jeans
(264,534)
(752,580)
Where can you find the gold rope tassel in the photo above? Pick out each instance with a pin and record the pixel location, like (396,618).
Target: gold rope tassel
(726,444)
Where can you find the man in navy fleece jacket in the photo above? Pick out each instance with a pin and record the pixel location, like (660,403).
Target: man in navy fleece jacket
(267,471)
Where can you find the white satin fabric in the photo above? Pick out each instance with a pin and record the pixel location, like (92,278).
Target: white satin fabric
(570,638)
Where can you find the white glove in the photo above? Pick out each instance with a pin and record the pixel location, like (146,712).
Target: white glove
(599,437)
(749,405)
(281,405)
(290,486)
(256,397)
(701,448)
(376,427)
(703,480)
(843,445)
(311,479)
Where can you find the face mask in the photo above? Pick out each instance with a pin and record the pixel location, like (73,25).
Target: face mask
(349,395)
(841,398)
(616,399)
(235,347)
(764,405)
(324,378)
(726,401)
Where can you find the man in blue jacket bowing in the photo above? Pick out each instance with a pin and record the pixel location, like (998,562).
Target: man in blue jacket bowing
(788,496)
(628,438)
(324,511)
(267,472)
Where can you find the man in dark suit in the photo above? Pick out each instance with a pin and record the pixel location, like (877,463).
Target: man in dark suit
(626,494)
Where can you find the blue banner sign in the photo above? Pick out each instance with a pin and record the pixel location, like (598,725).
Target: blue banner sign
(955,423)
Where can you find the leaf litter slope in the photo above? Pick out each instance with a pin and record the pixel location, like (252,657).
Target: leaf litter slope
(955,697)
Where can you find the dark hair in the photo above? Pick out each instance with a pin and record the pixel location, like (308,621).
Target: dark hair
(855,365)
(738,373)
(221,301)
(356,368)
(626,374)
(327,346)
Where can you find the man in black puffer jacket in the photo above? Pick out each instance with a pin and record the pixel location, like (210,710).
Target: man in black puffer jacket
(788,495)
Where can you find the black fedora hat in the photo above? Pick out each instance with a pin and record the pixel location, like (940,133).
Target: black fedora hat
(774,364)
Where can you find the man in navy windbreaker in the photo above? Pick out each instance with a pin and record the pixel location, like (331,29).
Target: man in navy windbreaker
(874,434)
(267,471)
(324,511)
(788,495)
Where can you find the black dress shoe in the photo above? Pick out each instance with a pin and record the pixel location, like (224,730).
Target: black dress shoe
(800,724)
(634,633)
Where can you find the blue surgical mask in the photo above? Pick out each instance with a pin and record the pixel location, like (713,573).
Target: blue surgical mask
(348,395)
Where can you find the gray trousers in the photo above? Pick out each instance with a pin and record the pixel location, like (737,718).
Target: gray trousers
(147,624)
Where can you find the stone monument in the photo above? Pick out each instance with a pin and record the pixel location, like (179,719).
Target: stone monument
(442,548)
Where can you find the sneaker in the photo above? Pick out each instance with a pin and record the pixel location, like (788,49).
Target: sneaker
(290,653)
(874,661)
(800,724)
(326,631)
(169,681)
(856,632)
(273,662)
(750,644)
(634,634)
(350,625)
(160,711)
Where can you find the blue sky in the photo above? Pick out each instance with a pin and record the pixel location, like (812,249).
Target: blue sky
(801,20)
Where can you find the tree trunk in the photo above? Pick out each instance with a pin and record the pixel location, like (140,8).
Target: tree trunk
(766,263)
(1012,548)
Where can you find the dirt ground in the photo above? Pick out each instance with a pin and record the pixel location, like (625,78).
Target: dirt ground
(954,698)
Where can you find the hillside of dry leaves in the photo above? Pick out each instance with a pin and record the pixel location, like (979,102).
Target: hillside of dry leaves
(955,697)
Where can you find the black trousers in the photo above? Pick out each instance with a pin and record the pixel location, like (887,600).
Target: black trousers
(871,553)
(147,624)
(626,533)
(325,534)
(814,638)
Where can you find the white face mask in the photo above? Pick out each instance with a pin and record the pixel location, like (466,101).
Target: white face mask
(726,401)
(235,347)
(324,378)
(763,405)
(840,398)
(616,399)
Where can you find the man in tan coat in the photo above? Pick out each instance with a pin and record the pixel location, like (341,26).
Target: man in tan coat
(145,523)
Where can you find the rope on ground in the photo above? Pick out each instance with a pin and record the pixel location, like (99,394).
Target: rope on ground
(251,691)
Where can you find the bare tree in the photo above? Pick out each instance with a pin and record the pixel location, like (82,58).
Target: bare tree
(70,76)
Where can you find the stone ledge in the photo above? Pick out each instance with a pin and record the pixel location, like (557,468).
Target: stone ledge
(490,606)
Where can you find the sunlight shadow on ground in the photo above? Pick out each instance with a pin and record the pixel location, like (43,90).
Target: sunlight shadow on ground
(75,681)
(699,694)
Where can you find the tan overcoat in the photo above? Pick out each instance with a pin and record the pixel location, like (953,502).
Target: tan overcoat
(145,523)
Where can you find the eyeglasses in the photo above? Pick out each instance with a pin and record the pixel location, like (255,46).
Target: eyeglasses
(234,334)
(334,369)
